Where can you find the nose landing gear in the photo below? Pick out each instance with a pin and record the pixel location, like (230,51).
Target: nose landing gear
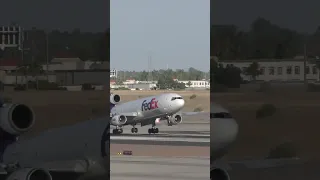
(117,131)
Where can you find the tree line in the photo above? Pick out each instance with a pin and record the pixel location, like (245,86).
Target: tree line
(156,75)
(263,40)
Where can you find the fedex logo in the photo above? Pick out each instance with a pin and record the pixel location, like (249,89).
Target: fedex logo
(153,104)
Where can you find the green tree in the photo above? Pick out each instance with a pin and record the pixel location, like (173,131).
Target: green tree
(189,84)
(263,40)
(253,71)
(229,76)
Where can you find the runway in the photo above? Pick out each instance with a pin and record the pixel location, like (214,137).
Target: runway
(301,169)
(179,152)
(192,132)
(140,167)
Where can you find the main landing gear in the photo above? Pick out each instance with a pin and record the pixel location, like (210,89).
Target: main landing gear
(117,131)
(153,130)
(134,129)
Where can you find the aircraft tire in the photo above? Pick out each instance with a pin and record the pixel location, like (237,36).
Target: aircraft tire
(117,131)
(134,130)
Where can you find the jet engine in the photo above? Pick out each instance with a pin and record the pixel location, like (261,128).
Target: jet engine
(219,174)
(30,174)
(114,98)
(175,119)
(16,119)
(118,120)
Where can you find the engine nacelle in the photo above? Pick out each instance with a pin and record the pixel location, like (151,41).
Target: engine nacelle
(217,173)
(114,98)
(118,120)
(175,119)
(16,119)
(30,174)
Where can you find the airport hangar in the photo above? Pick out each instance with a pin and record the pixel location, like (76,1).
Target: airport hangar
(285,70)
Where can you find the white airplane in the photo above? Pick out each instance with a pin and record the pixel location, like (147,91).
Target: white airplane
(69,152)
(145,111)
(223,133)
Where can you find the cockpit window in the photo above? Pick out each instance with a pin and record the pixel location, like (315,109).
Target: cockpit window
(174,98)
(221,115)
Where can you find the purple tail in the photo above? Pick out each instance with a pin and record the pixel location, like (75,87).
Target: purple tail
(112,106)
(5,140)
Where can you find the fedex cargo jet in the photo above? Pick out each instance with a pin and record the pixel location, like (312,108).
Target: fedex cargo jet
(145,111)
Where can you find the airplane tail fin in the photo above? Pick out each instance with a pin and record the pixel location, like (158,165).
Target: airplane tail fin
(5,140)
(112,105)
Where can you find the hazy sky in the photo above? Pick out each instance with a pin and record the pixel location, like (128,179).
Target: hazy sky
(303,16)
(90,15)
(175,32)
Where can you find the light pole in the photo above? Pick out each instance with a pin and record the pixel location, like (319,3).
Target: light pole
(47,54)
(22,49)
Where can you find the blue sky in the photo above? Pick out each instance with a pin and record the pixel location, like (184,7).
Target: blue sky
(175,33)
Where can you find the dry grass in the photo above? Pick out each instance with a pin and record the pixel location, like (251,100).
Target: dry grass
(58,108)
(297,119)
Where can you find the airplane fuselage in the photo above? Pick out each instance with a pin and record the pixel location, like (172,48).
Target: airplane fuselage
(146,110)
(223,133)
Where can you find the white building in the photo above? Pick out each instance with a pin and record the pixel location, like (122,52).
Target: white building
(113,73)
(11,36)
(279,70)
(196,84)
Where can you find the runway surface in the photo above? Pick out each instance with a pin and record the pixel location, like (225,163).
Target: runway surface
(193,131)
(300,169)
(179,152)
(139,168)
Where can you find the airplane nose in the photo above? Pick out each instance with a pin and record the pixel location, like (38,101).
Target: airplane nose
(181,103)
(231,132)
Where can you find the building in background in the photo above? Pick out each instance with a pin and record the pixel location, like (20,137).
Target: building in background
(113,73)
(11,36)
(282,70)
(201,84)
